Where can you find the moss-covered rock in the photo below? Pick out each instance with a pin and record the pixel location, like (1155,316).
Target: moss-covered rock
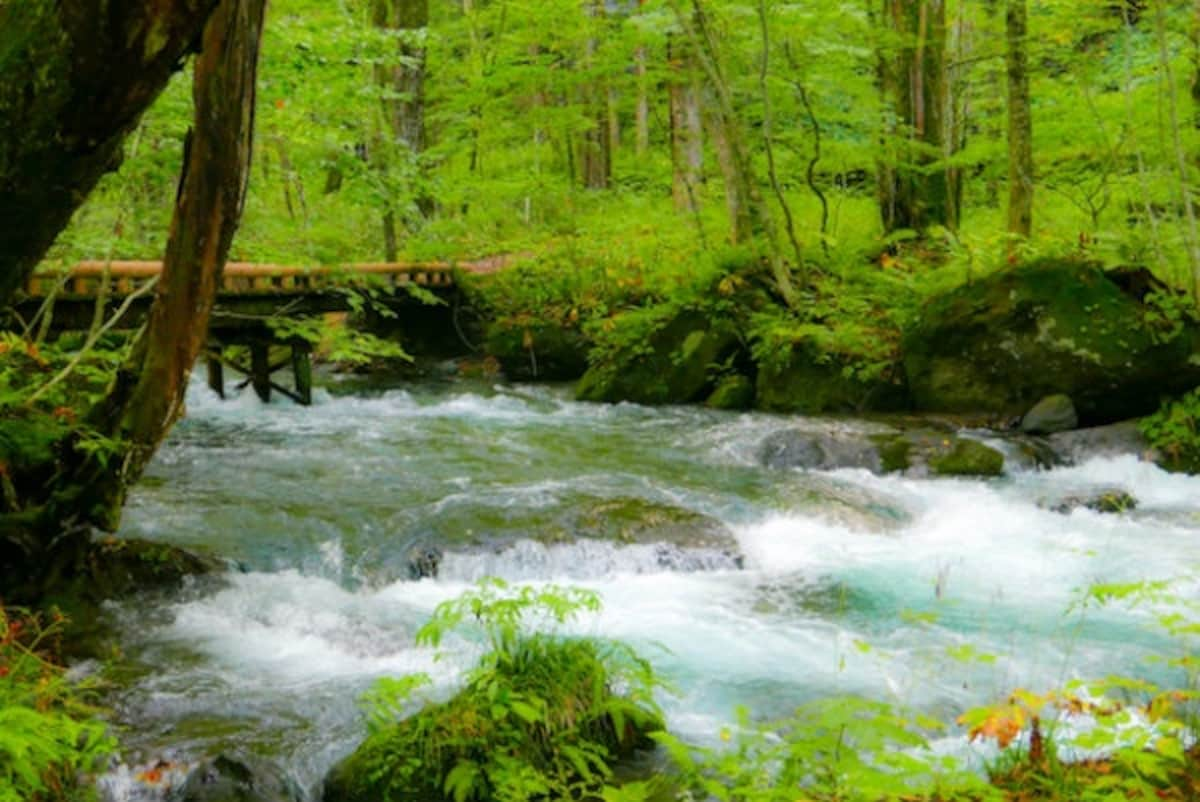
(672,364)
(537,350)
(565,691)
(732,393)
(1052,327)
(968,458)
(812,381)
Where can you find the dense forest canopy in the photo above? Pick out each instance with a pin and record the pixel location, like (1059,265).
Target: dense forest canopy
(522,100)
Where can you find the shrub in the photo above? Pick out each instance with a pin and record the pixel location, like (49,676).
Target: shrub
(49,737)
(540,716)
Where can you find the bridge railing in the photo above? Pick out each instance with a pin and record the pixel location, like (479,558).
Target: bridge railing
(85,279)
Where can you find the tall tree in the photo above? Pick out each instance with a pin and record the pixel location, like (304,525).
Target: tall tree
(401,77)
(77,76)
(687,127)
(914,192)
(596,146)
(1020,123)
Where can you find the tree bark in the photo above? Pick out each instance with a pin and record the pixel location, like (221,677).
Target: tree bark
(595,151)
(642,108)
(404,102)
(687,128)
(1020,124)
(914,194)
(75,78)
(148,394)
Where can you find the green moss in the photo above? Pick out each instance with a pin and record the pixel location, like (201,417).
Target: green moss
(529,348)
(660,356)
(894,452)
(968,458)
(1052,327)
(732,393)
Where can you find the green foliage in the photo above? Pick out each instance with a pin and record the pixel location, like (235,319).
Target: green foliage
(1174,431)
(832,749)
(50,739)
(539,715)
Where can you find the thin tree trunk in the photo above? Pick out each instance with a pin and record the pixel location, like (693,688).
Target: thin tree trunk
(1192,235)
(642,110)
(687,128)
(756,217)
(1020,126)
(595,151)
(77,76)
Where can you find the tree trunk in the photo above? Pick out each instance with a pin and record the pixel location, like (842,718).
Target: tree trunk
(642,110)
(403,82)
(147,396)
(595,151)
(76,77)
(1020,125)
(687,129)
(916,82)
(752,220)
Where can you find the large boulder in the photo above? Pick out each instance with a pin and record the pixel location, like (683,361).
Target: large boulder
(1001,344)
(673,364)
(1055,413)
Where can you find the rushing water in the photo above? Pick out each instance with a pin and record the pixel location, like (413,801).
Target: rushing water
(834,583)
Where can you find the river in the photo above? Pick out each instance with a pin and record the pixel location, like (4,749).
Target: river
(938,594)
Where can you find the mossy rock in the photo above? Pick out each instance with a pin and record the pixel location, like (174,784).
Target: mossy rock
(968,458)
(411,759)
(733,393)
(811,382)
(673,365)
(1001,344)
(538,350)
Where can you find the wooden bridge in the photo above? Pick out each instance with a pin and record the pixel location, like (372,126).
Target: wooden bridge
(249,297)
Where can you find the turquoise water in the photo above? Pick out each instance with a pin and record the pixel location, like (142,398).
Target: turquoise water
(769,587)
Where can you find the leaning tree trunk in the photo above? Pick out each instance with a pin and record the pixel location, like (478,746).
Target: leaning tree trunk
(147,396)
(75,78)
(915,194)
(1020,125)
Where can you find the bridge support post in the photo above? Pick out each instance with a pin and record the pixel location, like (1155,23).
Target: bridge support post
(302,371)
(260,369)
(216,371)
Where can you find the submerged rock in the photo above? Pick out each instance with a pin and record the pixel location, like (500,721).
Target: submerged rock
(1115,440)
(1112,501)
(805,450)
(917,452)
(967,458)
(231,779)
(474,529)
(671,366)
(1001,344)
(1055,413)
